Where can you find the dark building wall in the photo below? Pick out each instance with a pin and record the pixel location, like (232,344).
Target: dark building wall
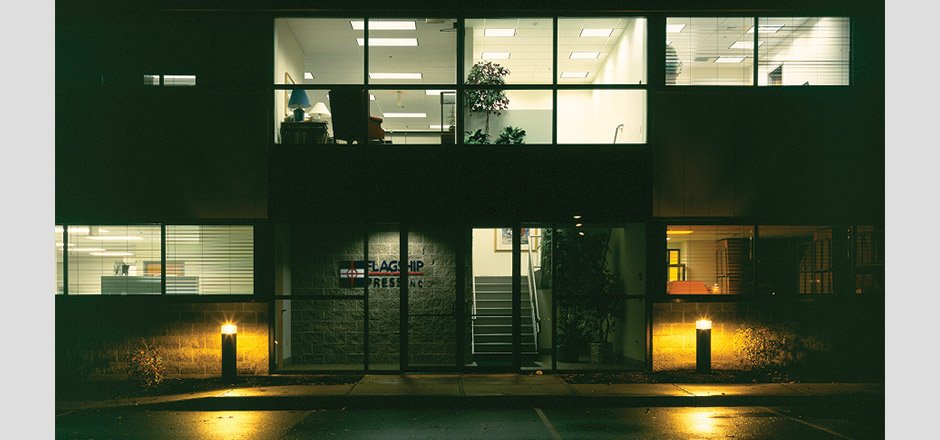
(94,336)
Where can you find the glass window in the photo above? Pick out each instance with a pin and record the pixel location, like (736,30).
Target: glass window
(524,117)
(703,260)
(601,116)
(709,51)
(318,51)
(208,260)
(521,45)
(319,334)
(795,259)
(305,116)
(416,116)
(412,51)
(114,260)
(59,260)
(602,51)
(868,248)
(803,51)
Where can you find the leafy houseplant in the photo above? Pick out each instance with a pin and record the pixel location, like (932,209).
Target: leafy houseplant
(511,135)
(587,291)
(490,100)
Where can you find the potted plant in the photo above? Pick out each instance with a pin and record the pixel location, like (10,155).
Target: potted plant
(490,101)
(587,291)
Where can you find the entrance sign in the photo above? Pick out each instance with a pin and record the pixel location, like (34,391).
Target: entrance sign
(383,274)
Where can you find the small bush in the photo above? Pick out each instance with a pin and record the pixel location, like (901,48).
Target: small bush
(760,347)
(145,366)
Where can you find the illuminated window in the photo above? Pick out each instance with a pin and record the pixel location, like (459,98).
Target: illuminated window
(709,259)
(803,51)
(208,260)
(709,51)
(111,260)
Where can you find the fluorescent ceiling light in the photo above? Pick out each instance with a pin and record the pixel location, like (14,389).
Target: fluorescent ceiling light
(384,25)
(596,32)
(308,75)
(371,97)
(111,254)
(679,231)
(499,32)
(438,92)
(744,44)
(495,55)
(73,230)
(574,74)
(729,60)
(405,115)
(395,75)
(767,28)
(674,28)
(114,237)
(584,55)
(439,126)
(388,41)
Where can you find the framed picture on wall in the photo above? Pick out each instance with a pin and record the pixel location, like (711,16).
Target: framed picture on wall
(504,238)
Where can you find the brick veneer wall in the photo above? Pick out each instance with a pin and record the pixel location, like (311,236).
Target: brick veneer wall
(95,334)
(841,336)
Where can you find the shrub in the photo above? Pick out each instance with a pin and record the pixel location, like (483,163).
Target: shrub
(761,347)
(145,366)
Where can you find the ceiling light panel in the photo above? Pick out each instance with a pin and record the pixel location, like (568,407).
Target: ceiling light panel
(383,25)
(388,41)
(744,45)
(767,28)
(729,60)
(596,32)
(584,55)
(574,74)
(496,32)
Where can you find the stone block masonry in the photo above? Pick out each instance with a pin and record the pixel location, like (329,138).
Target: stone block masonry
(95,335)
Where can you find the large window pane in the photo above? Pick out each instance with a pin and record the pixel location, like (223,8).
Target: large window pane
(114,260)
(708,259)
(209,260)
(59,251)
(803,51)
(521,45)
(709,51)
(306,116)
(525,118)
(416,116)
(868,248)
(601,116)
(319,334)
(795,259)
(318,51)
(412,51)
(326,260)
(602,51)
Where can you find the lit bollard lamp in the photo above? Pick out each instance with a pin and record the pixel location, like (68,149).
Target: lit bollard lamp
(229,335)
(703,346)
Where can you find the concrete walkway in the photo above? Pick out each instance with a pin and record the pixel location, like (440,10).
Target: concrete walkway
(488,390)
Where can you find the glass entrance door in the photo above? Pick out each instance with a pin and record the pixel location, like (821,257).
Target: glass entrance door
(493,309)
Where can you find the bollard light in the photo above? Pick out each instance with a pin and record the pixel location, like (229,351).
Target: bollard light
(703,346)
(229,335)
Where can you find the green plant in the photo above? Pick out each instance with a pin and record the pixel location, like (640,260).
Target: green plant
(587,289)
(145,366)
(476,137)
(766,347)
(511,135)
(491,100)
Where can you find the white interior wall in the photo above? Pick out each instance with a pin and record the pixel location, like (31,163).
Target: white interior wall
(626,64)
(592,116)
(809,57)
(487,261)
(288,57)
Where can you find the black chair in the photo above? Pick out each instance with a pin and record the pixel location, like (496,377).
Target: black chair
(349,107)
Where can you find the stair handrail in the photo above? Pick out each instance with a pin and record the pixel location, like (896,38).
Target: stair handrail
(473,316)
(533,288)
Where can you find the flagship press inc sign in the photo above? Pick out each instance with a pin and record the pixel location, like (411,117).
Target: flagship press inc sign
(385,273)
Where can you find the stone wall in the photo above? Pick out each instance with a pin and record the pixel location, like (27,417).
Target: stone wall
(838,337)
(330,332)
(95,335)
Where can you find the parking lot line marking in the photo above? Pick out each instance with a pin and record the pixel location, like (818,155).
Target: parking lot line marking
(811,425)
(551,428)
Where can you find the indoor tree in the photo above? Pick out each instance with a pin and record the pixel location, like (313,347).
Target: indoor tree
(490,100)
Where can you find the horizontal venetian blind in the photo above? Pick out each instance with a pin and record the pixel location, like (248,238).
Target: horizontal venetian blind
(209,259)
(711,259)
(803,51)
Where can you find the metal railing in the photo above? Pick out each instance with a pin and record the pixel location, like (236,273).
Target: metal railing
(534,244)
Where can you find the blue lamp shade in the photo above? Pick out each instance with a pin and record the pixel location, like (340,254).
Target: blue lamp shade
(298,103)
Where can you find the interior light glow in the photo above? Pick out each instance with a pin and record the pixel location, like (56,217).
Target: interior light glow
(388,41)
(703,324)
(767,28)
(371,97)
(576,216)
(679,231)
(112,254)
(674,28)
(308,75)
(729,60)
(405,115)
(376,25)
(229,329)
(578,225)
(395,75)
(596,32)
(488,32)
(495,55)
(438,92)
(73,230)
(574,74)
(584,55)
(745,44)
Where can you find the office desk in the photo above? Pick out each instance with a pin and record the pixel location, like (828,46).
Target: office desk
(304,132)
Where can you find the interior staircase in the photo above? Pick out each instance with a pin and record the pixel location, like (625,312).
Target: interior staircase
(492,324)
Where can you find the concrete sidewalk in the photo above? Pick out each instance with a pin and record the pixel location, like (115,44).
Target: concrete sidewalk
(488,390)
